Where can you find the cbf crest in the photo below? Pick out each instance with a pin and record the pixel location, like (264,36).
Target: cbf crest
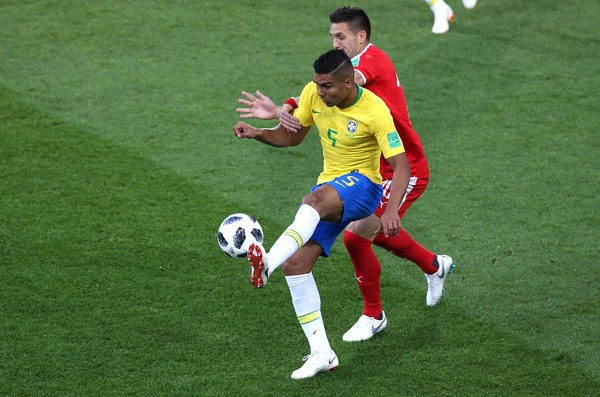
(352,127)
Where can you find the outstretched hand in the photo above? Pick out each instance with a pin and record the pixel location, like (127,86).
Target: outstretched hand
(259,107)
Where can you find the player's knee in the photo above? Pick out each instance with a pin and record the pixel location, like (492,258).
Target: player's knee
(351,228)
(329,210)
(312,200)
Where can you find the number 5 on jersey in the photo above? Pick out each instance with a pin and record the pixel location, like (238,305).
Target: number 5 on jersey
(331,135)
(349,181)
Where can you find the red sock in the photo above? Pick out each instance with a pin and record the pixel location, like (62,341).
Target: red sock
(367,269)
(404,246)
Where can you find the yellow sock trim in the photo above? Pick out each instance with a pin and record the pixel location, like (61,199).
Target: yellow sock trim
(432,3)
(295,235)
(307,318)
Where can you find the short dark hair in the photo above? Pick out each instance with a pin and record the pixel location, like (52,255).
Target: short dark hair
(336,62)
(355,17)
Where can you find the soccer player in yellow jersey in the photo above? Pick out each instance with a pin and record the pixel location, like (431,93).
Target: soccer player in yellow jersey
(373,69)
(355,127)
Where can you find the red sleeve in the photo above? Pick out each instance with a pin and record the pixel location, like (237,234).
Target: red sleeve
(369,67)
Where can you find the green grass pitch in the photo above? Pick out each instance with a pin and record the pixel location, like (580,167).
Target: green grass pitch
(118,162)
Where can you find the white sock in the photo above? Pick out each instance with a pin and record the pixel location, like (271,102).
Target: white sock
(294,237)
(307,303)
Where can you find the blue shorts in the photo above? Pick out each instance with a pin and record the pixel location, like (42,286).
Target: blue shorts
(360,196)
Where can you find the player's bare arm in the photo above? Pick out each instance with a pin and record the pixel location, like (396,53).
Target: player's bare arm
(390,220)
(276,136)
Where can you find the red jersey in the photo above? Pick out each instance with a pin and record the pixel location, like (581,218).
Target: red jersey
(380,76)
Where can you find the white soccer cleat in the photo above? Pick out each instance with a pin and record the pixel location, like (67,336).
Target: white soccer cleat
(435,281)
(259,269)
(365,328)
(469,4)
(315,363)
(442,15)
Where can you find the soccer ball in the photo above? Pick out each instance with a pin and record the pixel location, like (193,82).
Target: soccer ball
(237,232)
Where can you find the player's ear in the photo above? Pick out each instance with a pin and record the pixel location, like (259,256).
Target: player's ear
(362,36)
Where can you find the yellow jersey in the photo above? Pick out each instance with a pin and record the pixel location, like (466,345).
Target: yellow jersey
(353,137)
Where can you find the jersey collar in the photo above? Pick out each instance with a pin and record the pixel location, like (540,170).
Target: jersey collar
(357,56)
(358,95)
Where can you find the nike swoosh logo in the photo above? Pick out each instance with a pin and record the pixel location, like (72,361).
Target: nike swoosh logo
(443,272)
(315,112)
(332,360)
(375,329)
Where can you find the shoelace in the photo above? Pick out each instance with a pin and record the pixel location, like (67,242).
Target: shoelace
(366,323)
(305,358)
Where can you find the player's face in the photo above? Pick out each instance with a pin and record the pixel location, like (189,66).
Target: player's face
(332,90)
(345,39)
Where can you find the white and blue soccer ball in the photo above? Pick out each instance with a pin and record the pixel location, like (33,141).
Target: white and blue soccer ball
(237,232)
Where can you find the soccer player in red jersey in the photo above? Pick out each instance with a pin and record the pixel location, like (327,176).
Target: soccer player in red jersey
(351,31)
